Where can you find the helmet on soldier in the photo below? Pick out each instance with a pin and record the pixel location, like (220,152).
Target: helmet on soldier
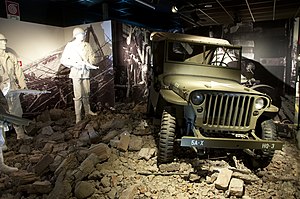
(77,31)
(3,42)
(2,37)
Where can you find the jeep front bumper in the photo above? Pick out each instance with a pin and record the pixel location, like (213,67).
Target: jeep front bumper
(229,143)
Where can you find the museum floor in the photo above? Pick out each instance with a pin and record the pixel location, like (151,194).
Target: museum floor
(113,155)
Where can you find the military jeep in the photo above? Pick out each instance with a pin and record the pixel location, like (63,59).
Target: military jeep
(196,91)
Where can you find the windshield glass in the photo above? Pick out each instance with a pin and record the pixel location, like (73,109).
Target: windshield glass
(206,54)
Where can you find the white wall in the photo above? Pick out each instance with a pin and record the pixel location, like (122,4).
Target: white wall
(31,41)
(101,29)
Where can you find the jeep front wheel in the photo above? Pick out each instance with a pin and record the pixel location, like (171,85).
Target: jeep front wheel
(262,158)
(166,138)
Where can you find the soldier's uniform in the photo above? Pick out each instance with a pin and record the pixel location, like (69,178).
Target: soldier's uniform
(12,78)
(3,109)
(75,55)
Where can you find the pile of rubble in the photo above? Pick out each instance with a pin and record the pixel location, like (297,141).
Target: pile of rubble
(113,155)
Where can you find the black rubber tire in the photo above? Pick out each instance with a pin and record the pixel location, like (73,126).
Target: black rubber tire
(166,138)
(160,107)
(263,158)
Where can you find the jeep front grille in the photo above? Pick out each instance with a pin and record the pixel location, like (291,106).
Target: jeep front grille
(227,110)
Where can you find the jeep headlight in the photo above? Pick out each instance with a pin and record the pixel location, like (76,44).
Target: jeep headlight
(259,103)
(197,98)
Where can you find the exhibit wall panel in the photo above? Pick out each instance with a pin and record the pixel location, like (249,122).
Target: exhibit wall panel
(31,41)
(132,59)
(39,48)
(269,68)
(99,35)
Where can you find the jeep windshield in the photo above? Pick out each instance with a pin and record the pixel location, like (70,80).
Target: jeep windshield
(204,54)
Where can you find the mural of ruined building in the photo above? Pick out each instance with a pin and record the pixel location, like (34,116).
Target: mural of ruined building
(134,52)
(48,74)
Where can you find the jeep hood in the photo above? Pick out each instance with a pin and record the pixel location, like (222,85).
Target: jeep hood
(187,83)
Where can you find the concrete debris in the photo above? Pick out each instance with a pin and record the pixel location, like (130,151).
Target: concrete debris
(25,149)
(47,130)
(223,179)
(101,150)
(84,189)
(56,114)
(169,167)
(110,135)
(38,187)
(43,164)
(236,187)
(86,167)
(130,192)
(146,153)
(194,177)
(114,155)
(136,143)
(124,141)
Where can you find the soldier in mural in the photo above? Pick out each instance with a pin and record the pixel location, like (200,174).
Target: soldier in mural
(79,56)
(12,78)
(136,59)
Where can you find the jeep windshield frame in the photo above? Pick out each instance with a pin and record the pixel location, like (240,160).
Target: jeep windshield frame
(204,54)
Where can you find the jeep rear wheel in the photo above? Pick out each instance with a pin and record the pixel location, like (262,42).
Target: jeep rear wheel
(262,158)
(166,138)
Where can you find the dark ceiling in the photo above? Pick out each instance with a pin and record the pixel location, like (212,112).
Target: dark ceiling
(156,14)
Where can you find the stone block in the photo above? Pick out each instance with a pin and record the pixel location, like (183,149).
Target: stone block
(124,141)
(223,179)
(236,187)
(48,147)
(130,192)
(42,165)
(146,153)
(86,167)
(136,143)
(101,150)
(43,187)
(84,189)
(47,130)
(110,135)
(56,114)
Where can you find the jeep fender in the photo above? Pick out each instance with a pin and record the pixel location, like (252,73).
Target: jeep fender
(272,92)
(171,97)
(272,109)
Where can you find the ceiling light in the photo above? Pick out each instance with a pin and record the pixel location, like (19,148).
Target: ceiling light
(208,6)
(174,9)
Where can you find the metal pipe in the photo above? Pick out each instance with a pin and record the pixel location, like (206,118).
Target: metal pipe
(145,4)
(274,8)
(297,12)
(208,16)
(225,10)
(250,11)
(204,13)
